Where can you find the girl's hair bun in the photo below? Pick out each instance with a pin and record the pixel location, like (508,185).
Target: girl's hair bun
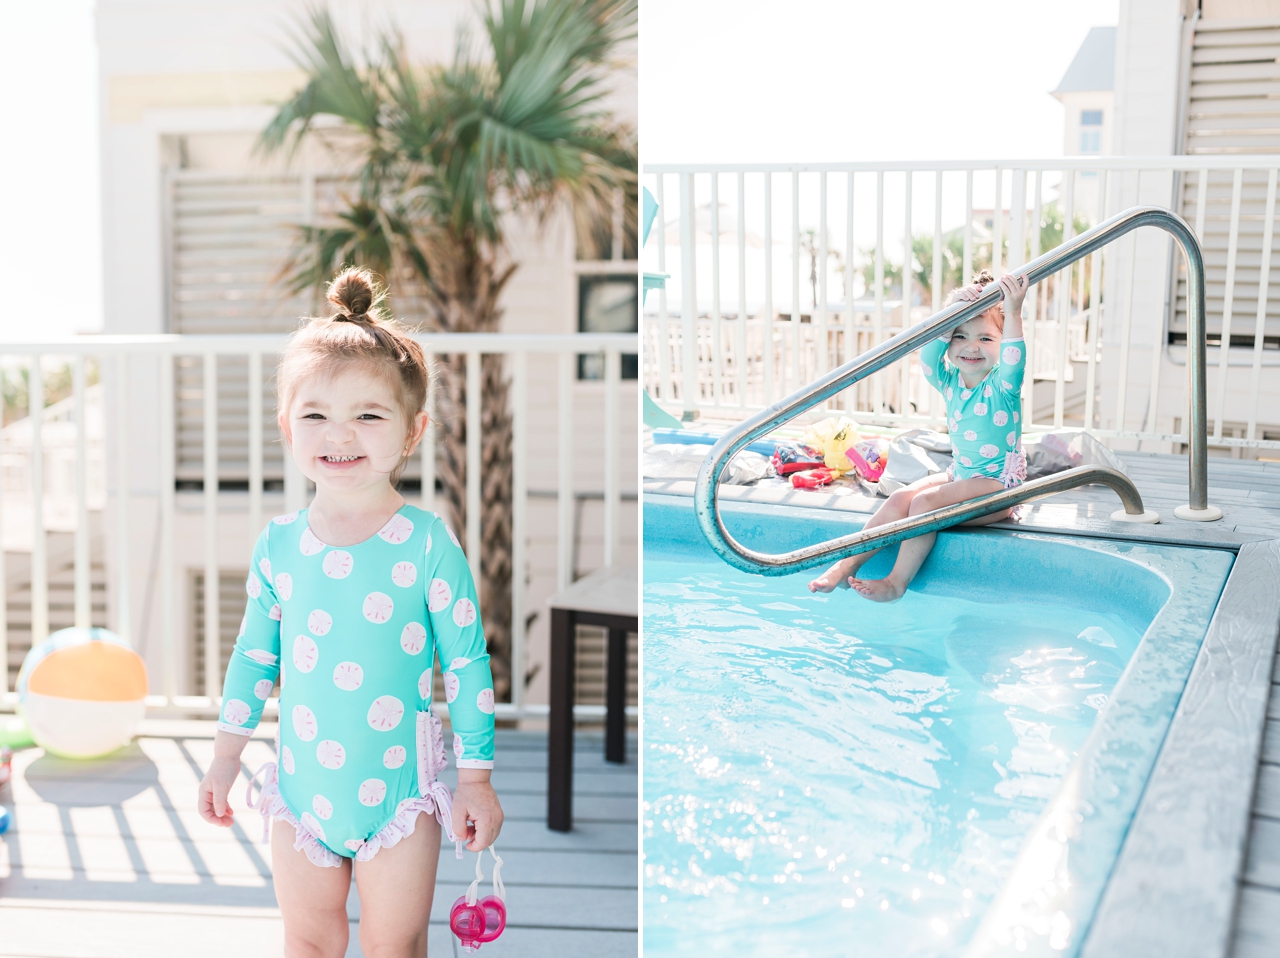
(354,293)
(982,278)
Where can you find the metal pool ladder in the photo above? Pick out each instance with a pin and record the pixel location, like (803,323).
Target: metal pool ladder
(707,507)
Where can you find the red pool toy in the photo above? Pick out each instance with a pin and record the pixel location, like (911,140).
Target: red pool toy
(475,920)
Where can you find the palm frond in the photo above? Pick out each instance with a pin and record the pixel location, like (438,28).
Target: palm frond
(335,87)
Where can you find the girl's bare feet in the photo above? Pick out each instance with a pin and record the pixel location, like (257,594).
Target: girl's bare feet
(878,590)
(837,577)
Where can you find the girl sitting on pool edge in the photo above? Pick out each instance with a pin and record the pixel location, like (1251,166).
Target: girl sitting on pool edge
(978,368)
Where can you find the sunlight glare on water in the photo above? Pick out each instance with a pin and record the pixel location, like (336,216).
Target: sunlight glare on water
(825,776)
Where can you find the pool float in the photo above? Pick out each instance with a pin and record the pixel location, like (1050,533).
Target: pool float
(82,692)
(475,920)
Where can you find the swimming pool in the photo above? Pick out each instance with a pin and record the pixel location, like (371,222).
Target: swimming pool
(951,774)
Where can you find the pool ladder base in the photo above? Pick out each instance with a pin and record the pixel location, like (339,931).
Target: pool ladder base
(1147,515)
(1207,514)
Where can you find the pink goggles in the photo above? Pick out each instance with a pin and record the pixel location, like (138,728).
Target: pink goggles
(476,920)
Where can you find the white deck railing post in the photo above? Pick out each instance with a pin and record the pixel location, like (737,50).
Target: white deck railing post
(212,586)
(519,522)
(255,446)
(564,497)
(612,375)
(428,451)
(168,600)
(472,531)
(82,607)
(39,556)
(689,395)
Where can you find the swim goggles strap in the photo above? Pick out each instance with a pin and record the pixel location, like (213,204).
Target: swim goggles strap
(499,889)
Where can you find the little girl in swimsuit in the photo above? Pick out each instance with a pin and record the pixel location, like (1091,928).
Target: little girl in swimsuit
(978,369)
(350,601)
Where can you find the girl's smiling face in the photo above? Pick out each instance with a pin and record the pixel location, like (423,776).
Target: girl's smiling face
(975,345)
(347,430)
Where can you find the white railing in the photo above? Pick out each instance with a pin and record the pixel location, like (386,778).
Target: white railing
(138,375)
(747,317)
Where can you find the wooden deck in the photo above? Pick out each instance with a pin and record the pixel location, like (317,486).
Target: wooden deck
(108,859)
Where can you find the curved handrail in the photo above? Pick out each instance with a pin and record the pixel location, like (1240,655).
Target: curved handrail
(706,504)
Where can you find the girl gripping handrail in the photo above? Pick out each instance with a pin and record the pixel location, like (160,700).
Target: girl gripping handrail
(978,367)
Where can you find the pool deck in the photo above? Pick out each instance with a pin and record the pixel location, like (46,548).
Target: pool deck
(108,859)
(1200,871)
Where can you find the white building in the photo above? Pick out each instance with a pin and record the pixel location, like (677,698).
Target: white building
(195,226)
(1087,95)
(1197,79)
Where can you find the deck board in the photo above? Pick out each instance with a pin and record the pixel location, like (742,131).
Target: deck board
(109,859)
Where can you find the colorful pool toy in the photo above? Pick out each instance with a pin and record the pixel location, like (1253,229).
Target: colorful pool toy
(82,692)
(477,920)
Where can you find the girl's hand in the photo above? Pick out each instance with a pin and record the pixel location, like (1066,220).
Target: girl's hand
(211,799)
(1015,288)
(474,802)
(214,787)
(966,293)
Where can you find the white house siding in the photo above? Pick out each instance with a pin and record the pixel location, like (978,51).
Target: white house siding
(193,83)
(1148,92)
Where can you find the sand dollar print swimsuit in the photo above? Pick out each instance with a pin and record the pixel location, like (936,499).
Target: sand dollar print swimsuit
(353,633)
(985,422)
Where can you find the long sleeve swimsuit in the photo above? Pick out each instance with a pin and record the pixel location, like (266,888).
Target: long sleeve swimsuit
(984,421)
(353,634)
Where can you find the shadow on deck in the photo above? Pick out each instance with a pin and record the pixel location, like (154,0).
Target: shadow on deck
(108,859)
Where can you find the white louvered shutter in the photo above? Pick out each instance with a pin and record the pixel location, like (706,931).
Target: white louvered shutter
(230,238)
(1233,109)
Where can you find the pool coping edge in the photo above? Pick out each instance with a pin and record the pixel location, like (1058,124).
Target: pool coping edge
(1176,882)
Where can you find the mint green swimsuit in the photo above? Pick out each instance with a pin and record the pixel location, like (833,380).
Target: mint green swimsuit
(353,633)
(985,421)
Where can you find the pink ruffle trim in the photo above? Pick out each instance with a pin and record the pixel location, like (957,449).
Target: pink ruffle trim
(271,804)
(434,799)
(1015,469)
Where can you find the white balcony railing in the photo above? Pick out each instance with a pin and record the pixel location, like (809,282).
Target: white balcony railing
(778,274)
(158,528)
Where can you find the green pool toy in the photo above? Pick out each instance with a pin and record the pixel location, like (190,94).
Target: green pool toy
(14,732)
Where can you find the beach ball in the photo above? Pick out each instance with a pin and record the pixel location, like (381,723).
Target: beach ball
(83,692)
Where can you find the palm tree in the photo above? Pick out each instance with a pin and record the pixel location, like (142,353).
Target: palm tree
(447,153)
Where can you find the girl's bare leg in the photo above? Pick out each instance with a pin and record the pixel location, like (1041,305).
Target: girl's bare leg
(312,899)
(396,888)
(896,507)
(913,552)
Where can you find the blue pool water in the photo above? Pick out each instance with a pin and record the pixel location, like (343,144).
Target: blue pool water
(824,776)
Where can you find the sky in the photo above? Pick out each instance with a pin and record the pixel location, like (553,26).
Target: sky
(838,80)
(50,221)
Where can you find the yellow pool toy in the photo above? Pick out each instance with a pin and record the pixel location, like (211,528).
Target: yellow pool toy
(83,692)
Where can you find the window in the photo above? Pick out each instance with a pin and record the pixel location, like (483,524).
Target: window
(1090,131)
(608,303)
